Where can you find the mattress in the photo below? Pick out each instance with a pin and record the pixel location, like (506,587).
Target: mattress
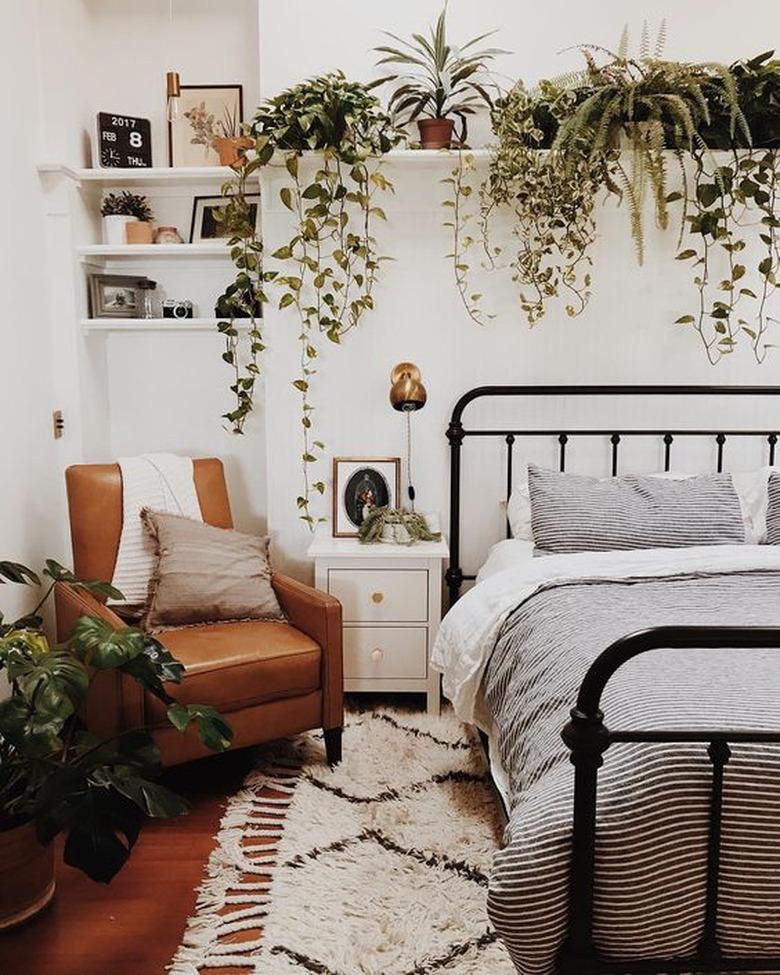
(513,653)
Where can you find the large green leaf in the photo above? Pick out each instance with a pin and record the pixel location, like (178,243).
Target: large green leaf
(16,572)
(54,685)
(101,646)
(213,730)
(154,666)
(95,586)
(32,733)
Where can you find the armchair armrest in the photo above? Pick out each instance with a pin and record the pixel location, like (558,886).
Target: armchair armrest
(318,615)
(114,703)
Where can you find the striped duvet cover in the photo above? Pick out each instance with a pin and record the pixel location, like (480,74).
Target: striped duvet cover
(525,655)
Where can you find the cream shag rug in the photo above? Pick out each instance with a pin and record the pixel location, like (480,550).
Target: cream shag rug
(376,867)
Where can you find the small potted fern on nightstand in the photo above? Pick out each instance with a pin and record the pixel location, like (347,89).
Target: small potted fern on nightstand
(395,526)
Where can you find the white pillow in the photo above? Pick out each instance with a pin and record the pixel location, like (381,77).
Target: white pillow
(751,488)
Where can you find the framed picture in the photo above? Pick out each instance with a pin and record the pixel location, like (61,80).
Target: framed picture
(361,483)
(114,295)
(205,226)
(206,112)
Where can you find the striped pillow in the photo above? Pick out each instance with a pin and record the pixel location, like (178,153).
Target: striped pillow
(572,513)
(773,510)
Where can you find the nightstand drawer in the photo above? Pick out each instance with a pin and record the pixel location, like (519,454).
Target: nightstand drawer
(381,595)
(385,651)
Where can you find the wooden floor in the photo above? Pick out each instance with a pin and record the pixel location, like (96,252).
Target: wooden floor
(133,926)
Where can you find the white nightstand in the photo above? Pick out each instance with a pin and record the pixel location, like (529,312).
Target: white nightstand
(391,599)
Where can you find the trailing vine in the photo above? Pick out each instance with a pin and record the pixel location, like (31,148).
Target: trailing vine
(327,270)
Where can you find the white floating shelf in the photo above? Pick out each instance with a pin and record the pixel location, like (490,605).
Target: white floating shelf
(139,175)
(152,324)
(123,251)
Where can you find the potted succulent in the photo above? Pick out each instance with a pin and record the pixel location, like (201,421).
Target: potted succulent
(443,82)
(223,136)
(55,776)
(126,219)
(395,526)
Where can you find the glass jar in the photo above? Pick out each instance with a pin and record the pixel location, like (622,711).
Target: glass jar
(147,299)
(168,235)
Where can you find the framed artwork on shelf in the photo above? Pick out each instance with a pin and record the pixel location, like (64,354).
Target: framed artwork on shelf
(205,223)
(361,483)
(114,295)
(207,113)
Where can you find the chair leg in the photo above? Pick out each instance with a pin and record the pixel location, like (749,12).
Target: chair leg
(333,745)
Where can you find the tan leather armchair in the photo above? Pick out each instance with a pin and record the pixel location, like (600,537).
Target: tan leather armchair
(269,679)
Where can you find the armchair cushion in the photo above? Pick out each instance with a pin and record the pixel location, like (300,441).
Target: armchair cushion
(239,664)
(204,574)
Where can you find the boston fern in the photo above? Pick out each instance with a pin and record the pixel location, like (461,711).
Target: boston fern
(326,272)
(55,773)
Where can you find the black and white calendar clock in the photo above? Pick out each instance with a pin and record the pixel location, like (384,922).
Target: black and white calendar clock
(123,140)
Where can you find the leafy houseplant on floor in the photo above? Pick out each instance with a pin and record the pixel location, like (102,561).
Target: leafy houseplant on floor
(55,776)
(443,82)
(326,272)
(126,219)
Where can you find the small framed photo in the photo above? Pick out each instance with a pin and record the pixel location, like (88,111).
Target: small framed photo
(114,295)
(359,484)
(206,226)
(206,113)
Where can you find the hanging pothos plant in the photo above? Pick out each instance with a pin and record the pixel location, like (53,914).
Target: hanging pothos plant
(615,128)
(327,270)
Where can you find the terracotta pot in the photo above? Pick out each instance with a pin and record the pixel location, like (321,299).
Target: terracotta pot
(26,875)
(228,150)
(436,133)
(139,232)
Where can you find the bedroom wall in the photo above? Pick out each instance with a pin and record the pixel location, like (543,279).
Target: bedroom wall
(624,336)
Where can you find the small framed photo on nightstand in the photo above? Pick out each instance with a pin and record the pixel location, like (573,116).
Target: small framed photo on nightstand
(359,484)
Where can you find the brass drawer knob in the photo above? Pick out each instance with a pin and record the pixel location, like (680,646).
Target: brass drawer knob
(377,597)
(377,653)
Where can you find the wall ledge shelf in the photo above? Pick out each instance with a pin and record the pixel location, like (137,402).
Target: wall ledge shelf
(124,251)
(152,325)
(138,176)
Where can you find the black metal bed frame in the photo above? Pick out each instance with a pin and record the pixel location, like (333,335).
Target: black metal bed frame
(586,735)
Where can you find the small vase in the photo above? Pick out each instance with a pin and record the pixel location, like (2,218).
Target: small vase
(139,232)
(114,228)
(168,235)
(228,150)
(388,534)
(26,875)
(402,536)
(436,133)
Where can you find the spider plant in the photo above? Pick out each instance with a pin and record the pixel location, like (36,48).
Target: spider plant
(442,80)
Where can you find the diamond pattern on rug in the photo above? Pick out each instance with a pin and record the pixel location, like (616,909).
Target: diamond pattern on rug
(381,867)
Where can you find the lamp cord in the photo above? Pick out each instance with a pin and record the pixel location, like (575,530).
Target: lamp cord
(410,486)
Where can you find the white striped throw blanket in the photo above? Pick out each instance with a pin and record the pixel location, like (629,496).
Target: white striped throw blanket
(162,482)
(653,799)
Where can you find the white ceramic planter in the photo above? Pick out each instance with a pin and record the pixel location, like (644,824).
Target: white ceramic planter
(114,228)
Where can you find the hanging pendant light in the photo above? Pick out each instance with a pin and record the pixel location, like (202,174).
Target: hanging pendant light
(172,80)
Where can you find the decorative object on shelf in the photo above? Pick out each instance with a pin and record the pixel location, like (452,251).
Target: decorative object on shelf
(210,217)
(407,395)
(119,210)
(629,126)
(395,526)
(147,299)
(207,113)
(359,485)
(326,272)
(124,141)
(172,97)
(57,778)
(441,82)
(114,295)
(139,232)
(177,309)
(168,235)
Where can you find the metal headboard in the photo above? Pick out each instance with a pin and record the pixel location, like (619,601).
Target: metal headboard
(457,433)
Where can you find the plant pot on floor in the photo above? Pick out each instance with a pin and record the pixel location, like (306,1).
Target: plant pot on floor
(228,150)
(139,232)
(26,875)
(114,226)
(436,133)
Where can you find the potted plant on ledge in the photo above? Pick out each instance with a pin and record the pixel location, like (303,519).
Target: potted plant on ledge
(55,776)
(127,219)
(443,82)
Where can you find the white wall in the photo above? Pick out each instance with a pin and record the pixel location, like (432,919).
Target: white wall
(31,509)
(624,336)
